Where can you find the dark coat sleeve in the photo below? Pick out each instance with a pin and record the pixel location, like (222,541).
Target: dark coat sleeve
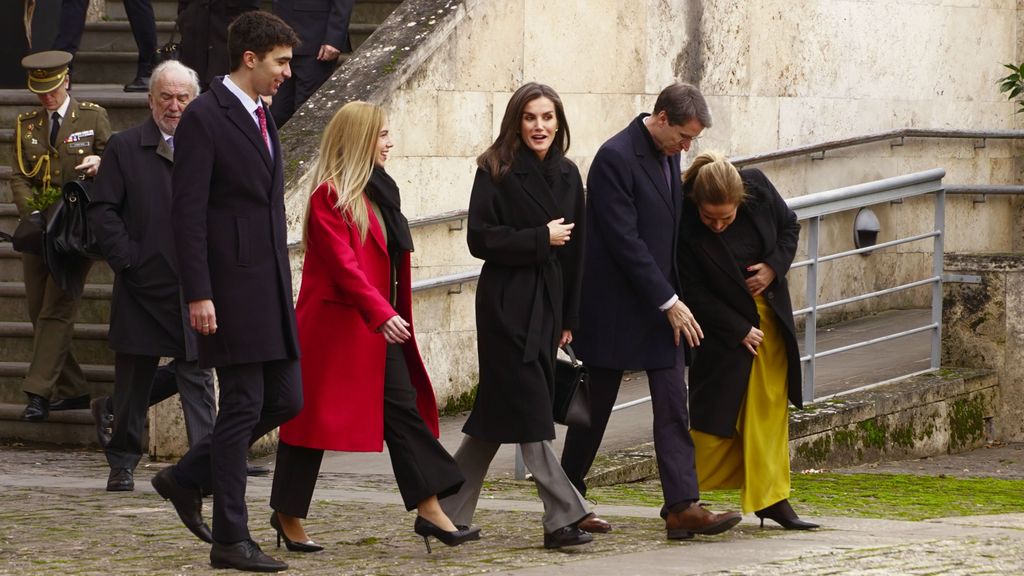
(571,257)
(492,241)
(780,255)
(613,208)
(193,170)
(337,24)
(106,199)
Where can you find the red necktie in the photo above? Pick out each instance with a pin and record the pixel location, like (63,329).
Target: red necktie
(263,125)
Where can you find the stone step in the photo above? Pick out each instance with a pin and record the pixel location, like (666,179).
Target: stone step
(372,11)
(7,146)
(93,307)
(364,11)
(71,427)
(6,171)
(11,271)
(106,67)
(116,36)
(164,10)
(89,342)
(100,378)
(124,109)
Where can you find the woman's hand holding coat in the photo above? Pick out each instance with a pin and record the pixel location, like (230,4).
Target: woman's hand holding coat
(753,339)
(395,330)
(763,277)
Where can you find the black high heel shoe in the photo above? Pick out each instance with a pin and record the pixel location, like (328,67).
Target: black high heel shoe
(292,545)
(461,535)
(783,513)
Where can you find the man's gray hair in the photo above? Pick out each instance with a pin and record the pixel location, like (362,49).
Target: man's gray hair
(174,66)
(682,103)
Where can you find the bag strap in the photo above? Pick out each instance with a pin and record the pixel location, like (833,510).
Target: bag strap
(572,355)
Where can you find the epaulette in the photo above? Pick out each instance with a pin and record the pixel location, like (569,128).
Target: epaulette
(28,115)
(89,105)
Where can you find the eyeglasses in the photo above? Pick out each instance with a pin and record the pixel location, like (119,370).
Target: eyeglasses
(687,139)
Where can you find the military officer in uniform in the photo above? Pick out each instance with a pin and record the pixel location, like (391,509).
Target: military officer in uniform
(56,143)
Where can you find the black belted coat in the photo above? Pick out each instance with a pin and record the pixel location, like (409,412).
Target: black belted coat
(527,294)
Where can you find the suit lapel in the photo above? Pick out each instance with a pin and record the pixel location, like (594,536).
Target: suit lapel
(151,137)
(241,118)
(651,164)
(716,251)
(535,186)
(376,226)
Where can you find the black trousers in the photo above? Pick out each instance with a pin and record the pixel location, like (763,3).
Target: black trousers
(204,35)
(308,74)
(140,16)
(673,445)
(139,384)
(422,466)
(254,399)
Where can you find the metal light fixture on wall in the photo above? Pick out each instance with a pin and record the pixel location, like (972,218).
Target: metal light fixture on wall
(865,229)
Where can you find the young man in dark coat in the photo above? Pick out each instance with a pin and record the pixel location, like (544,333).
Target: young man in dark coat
(230,234)
(631,313)
(130,214)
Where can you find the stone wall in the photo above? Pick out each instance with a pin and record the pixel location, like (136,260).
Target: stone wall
(776,74)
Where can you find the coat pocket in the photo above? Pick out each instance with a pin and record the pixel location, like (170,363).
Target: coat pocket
(244,245)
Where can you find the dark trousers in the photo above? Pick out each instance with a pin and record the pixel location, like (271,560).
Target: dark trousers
(204,35)
(672,442)
(308,74)
(53,373)
(254,399)
(140,16)
(422,466)
(139,384)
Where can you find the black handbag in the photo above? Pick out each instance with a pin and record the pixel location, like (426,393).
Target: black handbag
(571,404)
(67,232)
(170,50)
(28,236)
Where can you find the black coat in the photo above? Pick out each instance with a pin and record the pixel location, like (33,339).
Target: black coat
(717,294)
(130,214)
(230,231)
(317,22)
(629,269)
(527,294)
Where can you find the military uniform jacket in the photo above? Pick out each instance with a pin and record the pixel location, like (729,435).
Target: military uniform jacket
(84,131)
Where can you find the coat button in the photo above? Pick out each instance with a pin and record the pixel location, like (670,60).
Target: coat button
(771,295)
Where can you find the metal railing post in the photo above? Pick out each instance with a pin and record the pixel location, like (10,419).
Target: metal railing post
(937,268)
(811,319)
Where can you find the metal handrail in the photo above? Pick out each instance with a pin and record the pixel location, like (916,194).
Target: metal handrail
(899,133)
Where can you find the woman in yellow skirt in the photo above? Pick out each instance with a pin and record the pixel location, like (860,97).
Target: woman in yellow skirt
(738,240)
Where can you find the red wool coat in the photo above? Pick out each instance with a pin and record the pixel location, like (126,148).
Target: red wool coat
(342,301)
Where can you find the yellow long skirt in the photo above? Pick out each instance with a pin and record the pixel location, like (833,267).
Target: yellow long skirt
(756,459)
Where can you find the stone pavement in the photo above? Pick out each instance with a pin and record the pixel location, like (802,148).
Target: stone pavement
(56,519)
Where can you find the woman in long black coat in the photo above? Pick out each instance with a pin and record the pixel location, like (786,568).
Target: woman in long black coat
(739,241)
(526,223)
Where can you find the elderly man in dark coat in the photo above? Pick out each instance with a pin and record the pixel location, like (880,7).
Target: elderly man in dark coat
(130,213)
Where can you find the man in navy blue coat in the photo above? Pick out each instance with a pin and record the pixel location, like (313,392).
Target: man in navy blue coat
(632,316)
(230,236)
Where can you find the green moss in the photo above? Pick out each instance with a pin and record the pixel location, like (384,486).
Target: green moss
(903,436)
(393,64)
(874,433)
(816,451)
(461,403)
(966,422)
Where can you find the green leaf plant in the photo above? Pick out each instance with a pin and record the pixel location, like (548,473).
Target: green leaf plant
(1013,85)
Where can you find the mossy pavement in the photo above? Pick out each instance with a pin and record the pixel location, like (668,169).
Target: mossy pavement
(894,517)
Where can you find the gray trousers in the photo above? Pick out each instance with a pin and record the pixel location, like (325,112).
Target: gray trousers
(563,504)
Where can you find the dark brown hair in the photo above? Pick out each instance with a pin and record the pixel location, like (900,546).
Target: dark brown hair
(497,159)
(258,32)
(682,103)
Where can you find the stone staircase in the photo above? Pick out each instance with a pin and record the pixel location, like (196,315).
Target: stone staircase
(105,61)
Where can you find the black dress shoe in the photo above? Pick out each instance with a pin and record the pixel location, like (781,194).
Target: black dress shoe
(103,417)
(245,555)
(256,470)
(188,503)
(784,514)
(120,480)
(566,536)
(37,410)
(76,403)
(139,84)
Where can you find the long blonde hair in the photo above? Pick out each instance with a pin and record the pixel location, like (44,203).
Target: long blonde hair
(347,152)
(712,179)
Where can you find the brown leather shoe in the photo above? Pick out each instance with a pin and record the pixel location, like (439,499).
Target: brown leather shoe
(697,520)
(591,523)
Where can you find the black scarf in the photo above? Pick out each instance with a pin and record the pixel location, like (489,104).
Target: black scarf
(383,190)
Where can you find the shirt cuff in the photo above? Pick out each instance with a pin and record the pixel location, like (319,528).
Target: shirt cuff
(671,302)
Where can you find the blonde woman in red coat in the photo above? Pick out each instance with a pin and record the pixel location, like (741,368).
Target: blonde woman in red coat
(363,379)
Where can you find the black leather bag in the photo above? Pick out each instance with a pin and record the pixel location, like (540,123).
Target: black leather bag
(171,50)
(67,232)
(28,236)
(571,404)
